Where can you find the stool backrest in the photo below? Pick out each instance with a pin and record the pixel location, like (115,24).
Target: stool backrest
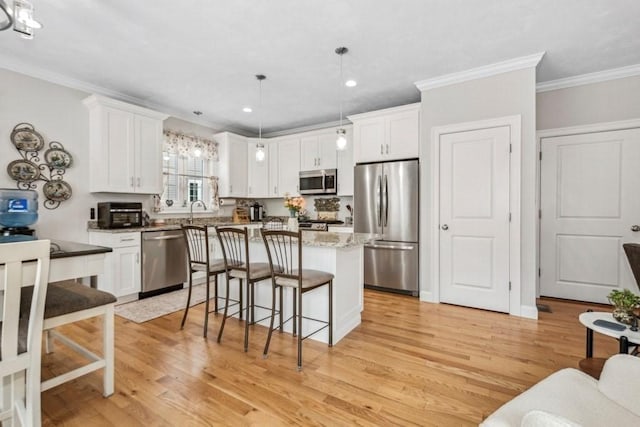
(197,239)
(633,256)
(235,247)
(284,249)
(23,264)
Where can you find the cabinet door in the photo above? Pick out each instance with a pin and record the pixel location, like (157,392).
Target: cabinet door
(309,159)
(327,153)
(238,169)
(127,279)
(258,172)
(273,164)
(345,168)
(369,140)
(117,171)
(148,155)
(403,135)
(288,166)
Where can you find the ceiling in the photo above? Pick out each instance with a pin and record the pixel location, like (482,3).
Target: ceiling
(203,55)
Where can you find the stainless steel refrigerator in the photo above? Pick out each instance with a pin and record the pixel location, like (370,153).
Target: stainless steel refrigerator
(386,202)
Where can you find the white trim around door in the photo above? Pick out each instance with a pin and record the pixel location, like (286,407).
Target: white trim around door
(514,123)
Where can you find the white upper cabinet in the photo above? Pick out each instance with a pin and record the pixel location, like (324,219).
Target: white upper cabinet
(318,151)
(345,167)
(258,172)
(273,157)
(288,165)
(125,147)
(232,152)
(389,134)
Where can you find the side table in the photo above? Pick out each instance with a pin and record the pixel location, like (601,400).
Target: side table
(626,338)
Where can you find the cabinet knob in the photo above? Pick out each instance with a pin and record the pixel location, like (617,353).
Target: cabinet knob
(139,182)
(445,227)
(387,149)
(635,228)
(381,149)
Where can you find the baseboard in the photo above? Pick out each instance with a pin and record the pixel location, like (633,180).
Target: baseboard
(427,296)
(528,311)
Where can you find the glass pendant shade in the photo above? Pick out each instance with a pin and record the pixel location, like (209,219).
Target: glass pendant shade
(260,152)
(341,141)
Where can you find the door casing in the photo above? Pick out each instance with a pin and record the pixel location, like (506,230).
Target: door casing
(515,124)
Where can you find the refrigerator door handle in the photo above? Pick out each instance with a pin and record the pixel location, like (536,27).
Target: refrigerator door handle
(386,201)
(391,247)
(379,201)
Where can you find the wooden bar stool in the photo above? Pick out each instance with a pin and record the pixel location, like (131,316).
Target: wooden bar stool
(235,249)
(197,239)
(284,249)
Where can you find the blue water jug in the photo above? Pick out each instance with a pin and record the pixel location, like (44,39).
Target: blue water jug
(18,208)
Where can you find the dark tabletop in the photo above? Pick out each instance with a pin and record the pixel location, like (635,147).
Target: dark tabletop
(64,249)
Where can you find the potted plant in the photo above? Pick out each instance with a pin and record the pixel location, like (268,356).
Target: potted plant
(624,303)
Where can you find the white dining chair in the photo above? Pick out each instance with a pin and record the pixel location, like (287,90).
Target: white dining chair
(22,264)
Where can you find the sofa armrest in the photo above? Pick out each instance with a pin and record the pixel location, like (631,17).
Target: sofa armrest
(620,381)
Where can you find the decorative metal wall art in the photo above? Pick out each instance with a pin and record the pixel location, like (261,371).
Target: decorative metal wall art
(32,167)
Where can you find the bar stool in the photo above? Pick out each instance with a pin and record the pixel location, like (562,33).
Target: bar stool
(284,249)
(197,239)
(235,249)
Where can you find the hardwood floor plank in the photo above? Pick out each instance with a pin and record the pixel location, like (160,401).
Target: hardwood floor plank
(408,363)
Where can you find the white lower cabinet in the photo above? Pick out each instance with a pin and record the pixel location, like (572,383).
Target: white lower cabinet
(122,270)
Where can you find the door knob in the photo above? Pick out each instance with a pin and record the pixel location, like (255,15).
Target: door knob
(635,228)
(445,227)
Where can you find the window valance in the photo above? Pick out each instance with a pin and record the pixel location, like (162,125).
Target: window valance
(192,146)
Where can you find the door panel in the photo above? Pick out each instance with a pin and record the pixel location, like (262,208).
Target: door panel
(400,201)
(366,198)
(474,218)
(589,202)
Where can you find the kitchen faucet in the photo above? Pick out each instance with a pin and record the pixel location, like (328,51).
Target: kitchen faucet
(190,221)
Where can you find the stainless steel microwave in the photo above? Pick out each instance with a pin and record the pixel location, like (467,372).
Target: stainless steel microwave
(323,181)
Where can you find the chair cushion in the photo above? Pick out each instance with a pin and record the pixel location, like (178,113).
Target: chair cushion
(310,279)
(215,266)
(23,332)
(258,270)
(619,381)
(568,393)
(544,419)
(66,297)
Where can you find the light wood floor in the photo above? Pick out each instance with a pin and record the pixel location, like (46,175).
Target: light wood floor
(408,363)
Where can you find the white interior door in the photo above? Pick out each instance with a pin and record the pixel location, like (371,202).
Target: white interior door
(474,218)
(590,199)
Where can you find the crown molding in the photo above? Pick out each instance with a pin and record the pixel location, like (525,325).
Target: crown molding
(310,128)
(584,79)
(20,67)
(481,72)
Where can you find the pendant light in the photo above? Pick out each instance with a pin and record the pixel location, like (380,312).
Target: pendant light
(341,140)
(260,154)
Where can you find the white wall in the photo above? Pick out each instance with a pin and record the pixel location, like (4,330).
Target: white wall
(608,101)
(58,115)
(506,94)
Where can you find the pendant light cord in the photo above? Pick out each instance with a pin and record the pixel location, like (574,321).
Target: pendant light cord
(341,88)
(260,110)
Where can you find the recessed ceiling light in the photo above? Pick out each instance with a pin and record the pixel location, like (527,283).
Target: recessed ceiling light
(247,109)
(197,113)
(350,83)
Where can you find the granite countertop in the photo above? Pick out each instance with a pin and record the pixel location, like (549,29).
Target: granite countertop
(172,224)
(325,239)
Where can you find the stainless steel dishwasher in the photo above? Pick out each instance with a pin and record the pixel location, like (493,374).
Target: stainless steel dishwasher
(164,262)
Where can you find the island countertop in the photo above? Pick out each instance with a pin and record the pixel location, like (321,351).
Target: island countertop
(325,239)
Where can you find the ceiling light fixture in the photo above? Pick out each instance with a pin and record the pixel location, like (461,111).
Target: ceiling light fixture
(260,146)
(341,141)
(247,109)
(197,112)
(21,17)
(351,83)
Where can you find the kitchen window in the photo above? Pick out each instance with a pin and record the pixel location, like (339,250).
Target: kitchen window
(189,169)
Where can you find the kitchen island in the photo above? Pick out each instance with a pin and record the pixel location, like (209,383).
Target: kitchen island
(341,254)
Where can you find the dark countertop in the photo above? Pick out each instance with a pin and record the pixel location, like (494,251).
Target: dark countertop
(64,249)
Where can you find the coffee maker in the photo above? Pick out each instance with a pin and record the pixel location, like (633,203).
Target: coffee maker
(256,212)
(18,210)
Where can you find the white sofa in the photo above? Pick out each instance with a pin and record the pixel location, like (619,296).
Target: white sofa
(572,398)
